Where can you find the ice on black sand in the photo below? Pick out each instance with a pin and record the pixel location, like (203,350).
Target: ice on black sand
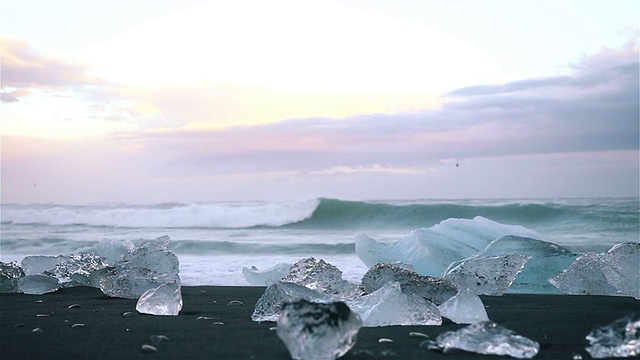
(621,338)
(316,330)
(166,299)
(464,308)
(10,275)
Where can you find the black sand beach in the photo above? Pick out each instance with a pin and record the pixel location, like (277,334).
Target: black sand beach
(558,322)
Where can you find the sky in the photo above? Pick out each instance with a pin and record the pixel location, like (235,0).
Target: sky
(184,101)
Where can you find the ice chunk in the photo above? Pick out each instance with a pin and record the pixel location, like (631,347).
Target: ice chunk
(268,276)
(10,275)
(38,264)
(488,338)
(389,306)
(318,331)
(431,250)
(144,268)
(321,276)
(78,270)
(621,338)
(269,306)
(166,299)
(615,273)
(38,284)
(464,308)
(488,275)
(437,290)
(546,260)
(111,250)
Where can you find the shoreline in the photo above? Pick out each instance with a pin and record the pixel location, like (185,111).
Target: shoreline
(558,322)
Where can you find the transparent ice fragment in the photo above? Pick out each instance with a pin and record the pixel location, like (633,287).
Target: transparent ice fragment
(269,306)
(431,250)
(321,276)
(389,306)
(488,275)
(38,264)
(111,250)
(38,284)
(142,269)
(621,338)
(436,290)
(166,299)
(616,272)
(268,276)
(10,275)
(78,270)
(318,330)
(464,308)
(488,338)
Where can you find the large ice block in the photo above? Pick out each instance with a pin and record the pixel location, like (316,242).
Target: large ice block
(616,272)
(431,250)
(464,308)
(437,290)
(318,331)
(38,284)
(142,269)
(269,306)
(38,264)
(621,338)
(268,276)
(487,275)
(10,275)
(321,276)
(78,270)
(111,250)
(389,306)
(488,338)
(166,299)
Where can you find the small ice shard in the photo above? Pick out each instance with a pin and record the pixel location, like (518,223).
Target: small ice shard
(78,270)
(321,276)
(316,330)
(269,306)
(38,284)
(621,338)
(38,264)
(464,308)
(166,299)
(10,275)
(616,272)
(144,268)
(489,275)
(488,338)
(436,290)
(431,250)
(389,306)
(268,276)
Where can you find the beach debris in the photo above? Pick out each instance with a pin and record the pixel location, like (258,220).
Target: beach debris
(620,338)
(166,299)
(78,325)
(129,314)
(146,348)
(487,338)
(435,289)
(37,330)
(143,268)
(217,323)
(74,306)
(418,334)
(616,272)
(235,302)
(157,340)
(545,260)
(318,330)
(464,308)
(266,277)
(323,277)
(39,301)
(390,306)
(432,250)
(10,275)
(487,275)
(42,315)
(203,318)
(269,306)
(18,325)
(38,284)
(385,340)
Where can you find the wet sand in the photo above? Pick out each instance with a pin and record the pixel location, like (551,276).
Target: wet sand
(558,322)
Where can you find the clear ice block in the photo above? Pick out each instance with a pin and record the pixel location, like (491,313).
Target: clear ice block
(268,276)
(316,330)
(464,308)
(321,276)
(269,306)
(10,275)
(621,338)
(38,284)
(488,275)
(166,299)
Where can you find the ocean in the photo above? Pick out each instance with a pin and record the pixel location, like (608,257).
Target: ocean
(214,241)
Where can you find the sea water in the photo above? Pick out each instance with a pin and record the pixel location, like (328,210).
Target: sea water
(214,241)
